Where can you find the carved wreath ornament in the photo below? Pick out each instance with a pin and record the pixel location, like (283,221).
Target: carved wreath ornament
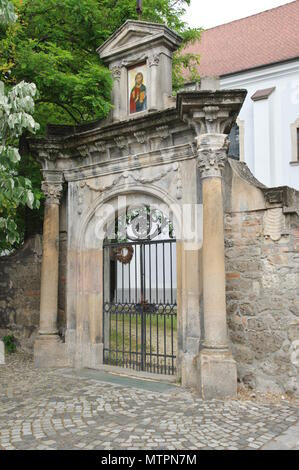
(124,254)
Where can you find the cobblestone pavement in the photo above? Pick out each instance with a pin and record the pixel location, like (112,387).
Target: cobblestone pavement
(59,409)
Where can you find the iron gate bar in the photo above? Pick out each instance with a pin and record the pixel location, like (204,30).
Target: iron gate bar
(163,272)
(139,242)
(120,309)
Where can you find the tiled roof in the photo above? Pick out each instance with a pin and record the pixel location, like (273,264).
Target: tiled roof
(266,38)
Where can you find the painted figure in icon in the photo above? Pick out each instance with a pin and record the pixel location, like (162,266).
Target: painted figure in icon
(138,95)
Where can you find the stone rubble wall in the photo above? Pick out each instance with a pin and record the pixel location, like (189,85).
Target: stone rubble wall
(20,292)
(263,301)
(20,277)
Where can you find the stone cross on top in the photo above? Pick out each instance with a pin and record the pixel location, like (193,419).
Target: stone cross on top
(139,55)
(139,8)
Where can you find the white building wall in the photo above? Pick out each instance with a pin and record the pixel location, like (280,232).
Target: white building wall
(267,123)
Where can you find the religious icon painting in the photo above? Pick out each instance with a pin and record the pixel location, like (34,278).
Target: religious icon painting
(137,78)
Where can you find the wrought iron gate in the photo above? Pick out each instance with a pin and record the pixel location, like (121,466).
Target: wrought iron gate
(140,305)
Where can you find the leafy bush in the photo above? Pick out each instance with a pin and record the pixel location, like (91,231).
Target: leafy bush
(10,344)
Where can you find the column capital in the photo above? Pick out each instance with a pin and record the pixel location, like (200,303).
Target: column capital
(154,60)
(212,119)
(212,154)
(52,191)
(116,72)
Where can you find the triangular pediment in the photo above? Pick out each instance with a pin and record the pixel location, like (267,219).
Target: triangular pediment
(129,37)
(134,34)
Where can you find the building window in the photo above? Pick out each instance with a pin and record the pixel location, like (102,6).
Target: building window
(234,146)
(298,144)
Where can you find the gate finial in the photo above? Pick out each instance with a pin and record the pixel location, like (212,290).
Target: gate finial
(139,8)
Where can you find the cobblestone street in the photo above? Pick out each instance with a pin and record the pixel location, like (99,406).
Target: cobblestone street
(65,409)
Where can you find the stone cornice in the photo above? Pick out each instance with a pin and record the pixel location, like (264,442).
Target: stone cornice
(77,142)
(106,128)
(282,196)
(136,162)
(105,143)
(210,111)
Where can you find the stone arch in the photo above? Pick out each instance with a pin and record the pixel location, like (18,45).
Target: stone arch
(143,193)
(87,321)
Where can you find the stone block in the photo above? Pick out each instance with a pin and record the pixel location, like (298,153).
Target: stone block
(93,355)
(217,374)
(189,371)
(210,83)
(50,352)
(2,353)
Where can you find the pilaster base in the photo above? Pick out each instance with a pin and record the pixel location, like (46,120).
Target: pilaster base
(189,371)
(50,351)
(89,355)
(217,374)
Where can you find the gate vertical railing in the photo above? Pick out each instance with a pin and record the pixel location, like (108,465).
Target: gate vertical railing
(140,305)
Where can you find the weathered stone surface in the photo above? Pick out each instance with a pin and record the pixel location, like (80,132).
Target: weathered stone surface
(263,309)
(50,351)
(44,409)
(2,353)
(293,331)
(20,292)
(171,156)
(218,375)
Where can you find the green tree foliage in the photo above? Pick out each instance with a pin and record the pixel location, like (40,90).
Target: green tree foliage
(53,44)
(16,108)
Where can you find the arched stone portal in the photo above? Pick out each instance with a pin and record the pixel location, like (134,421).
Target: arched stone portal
(163,150)
(85,335)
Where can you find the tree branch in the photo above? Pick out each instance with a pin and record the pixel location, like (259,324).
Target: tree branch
(61,106)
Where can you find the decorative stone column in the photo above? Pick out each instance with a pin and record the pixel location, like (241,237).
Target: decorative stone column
(218,371)
(211,114)
(48,348)
(153,63)
(116,91)
(50,262)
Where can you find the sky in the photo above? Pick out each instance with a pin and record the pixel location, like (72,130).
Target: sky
(209,13)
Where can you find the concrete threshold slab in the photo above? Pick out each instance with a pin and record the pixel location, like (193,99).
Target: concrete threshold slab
(146,381)
(138,374)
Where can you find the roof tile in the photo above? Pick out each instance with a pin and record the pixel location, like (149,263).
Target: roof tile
(262,39)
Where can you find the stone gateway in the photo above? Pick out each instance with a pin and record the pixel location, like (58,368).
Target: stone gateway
(168,156)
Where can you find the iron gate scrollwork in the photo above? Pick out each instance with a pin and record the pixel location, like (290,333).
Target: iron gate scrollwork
(140,305)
